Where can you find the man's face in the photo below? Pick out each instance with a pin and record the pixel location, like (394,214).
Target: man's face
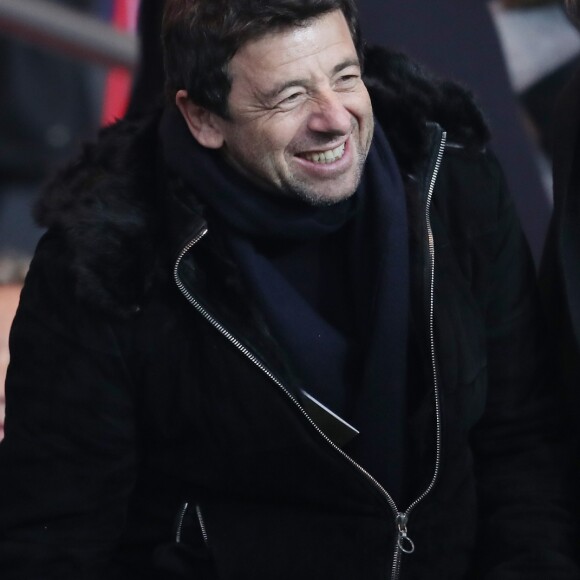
(301,118)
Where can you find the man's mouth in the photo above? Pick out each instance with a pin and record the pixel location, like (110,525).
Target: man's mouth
(324,157)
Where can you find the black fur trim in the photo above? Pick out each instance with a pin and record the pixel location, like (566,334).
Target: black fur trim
(405,98)
(104,205)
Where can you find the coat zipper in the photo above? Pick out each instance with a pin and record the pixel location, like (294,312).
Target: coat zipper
(403,543)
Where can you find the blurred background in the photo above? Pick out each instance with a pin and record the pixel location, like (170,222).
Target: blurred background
(69,67)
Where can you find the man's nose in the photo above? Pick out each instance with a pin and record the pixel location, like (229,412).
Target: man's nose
(329,115)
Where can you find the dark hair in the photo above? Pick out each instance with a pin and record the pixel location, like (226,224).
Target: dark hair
(573,8)
(200,37)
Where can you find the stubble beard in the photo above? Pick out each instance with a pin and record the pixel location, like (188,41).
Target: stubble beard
(300,189)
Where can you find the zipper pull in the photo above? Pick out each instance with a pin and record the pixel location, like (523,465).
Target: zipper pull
(404,542)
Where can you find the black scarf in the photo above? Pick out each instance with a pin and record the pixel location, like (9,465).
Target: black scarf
(332,281)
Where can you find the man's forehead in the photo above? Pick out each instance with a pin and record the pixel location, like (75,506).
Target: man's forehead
(324,44)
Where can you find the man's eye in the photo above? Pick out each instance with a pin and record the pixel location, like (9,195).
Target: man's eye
(291,99)
(348,79)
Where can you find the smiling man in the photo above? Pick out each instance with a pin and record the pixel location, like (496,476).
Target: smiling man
(284,327)
(298,98)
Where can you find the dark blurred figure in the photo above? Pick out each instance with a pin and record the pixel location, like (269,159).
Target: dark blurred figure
(48,103)
(560,272)
(457,39)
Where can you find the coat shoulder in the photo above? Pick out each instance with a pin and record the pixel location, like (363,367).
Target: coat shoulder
(406,98)
(103,207)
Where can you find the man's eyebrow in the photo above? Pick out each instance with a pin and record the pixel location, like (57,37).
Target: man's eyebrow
(346,64)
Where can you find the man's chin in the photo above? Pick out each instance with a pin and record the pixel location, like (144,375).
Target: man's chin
(323,198)
(330,193)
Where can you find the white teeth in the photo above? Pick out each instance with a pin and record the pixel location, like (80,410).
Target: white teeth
(326,156)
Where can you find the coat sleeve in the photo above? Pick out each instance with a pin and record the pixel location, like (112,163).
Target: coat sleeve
(67,462)
(521,454)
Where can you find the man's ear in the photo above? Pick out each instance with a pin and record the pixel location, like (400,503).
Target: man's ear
(200,121)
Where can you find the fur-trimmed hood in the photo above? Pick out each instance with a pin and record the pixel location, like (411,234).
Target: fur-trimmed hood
(106,206)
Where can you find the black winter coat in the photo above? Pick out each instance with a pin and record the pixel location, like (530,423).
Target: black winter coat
(155,430)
